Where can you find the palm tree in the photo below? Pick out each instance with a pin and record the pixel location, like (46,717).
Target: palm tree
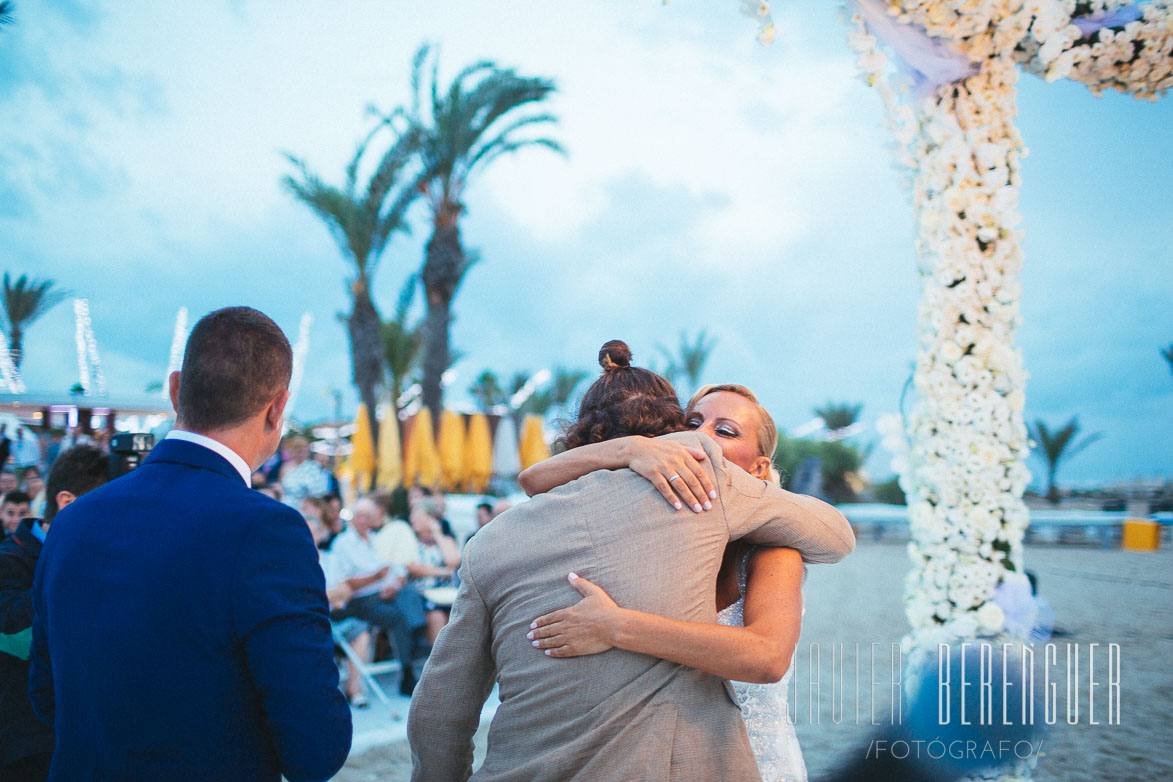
(6,9)
(24,301)
(462,129)
(1168,354)
(1058,447)
(402,342)
(487,392)
(361,221)
(838,416)
(690,359)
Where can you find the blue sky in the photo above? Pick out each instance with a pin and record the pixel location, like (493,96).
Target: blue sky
(711,183)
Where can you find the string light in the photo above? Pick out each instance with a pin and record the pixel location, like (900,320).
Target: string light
(300,351)
(178,340)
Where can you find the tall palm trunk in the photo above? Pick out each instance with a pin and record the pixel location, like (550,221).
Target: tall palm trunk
(366,347)
(444,266)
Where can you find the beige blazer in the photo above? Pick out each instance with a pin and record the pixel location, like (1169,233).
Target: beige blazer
(615,716)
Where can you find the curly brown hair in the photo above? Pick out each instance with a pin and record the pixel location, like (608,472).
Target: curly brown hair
(624,401)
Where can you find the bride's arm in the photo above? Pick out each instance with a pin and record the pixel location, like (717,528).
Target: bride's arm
(655,459)
(758,652)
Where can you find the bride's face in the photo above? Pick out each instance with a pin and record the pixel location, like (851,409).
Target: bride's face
(732,421)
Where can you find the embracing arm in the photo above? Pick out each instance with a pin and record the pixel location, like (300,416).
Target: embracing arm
(655,459)
(768,515)
(758,652)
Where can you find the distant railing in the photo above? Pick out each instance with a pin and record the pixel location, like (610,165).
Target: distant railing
(880,522)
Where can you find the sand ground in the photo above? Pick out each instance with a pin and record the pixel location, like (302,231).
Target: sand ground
(1099,596)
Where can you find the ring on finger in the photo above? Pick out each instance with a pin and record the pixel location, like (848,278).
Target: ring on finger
(674,477)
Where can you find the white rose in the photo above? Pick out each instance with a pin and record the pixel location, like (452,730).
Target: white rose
(991,617)
(951,351)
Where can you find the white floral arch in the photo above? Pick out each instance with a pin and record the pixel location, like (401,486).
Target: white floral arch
(946,71)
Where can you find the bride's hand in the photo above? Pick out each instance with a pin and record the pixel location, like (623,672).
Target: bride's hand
(674,469)
(585,628)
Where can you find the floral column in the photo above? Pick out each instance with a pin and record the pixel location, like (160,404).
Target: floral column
(966,474)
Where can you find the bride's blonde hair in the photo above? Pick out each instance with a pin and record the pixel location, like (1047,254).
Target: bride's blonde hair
(767,432)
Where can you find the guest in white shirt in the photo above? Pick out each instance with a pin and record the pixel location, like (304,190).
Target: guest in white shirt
(382,596)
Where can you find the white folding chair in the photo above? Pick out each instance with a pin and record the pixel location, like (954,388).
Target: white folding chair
(367,670)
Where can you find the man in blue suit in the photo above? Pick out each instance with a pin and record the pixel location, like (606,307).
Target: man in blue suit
(181,626)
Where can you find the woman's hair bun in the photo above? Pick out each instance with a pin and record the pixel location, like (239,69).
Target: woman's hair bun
(614,354)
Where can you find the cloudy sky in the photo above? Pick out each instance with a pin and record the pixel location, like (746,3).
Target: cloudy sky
(711,183)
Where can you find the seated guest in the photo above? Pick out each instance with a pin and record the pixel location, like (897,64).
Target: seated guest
(396,542)
(382,596)
(26,743)
(318,508)
(432,573)
(301,476)
(484,514)
(14,508)
(418,494)
(8,481)
(331,515)
(338,593)
(34,487)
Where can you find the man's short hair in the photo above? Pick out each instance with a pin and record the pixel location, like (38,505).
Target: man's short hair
(16,498)
(236,360)
(77,470)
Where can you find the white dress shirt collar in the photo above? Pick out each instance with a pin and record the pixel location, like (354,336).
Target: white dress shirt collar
(235,459)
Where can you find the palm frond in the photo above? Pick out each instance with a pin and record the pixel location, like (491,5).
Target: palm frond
(838,415)
(487,391)
(28,299)
(417,68)
(1058,446)
(406,297)
(453,133)
(7,9)
(510,147)
(488,150)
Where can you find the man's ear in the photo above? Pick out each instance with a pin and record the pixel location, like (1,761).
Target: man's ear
(64,498)
(275,412)
(173,389)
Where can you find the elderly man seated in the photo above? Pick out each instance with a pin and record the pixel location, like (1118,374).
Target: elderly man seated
(382,596)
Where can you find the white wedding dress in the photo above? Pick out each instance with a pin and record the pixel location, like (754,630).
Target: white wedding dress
(764,709)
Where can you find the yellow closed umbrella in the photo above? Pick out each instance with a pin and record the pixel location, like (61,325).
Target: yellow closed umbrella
(478,454)
(390,452)
(421,463)
(533,442)
(362,458)
(451,450)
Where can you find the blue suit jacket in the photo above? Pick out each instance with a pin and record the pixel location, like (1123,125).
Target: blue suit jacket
(181,632)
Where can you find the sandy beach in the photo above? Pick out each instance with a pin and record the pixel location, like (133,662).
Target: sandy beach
(1099,597)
